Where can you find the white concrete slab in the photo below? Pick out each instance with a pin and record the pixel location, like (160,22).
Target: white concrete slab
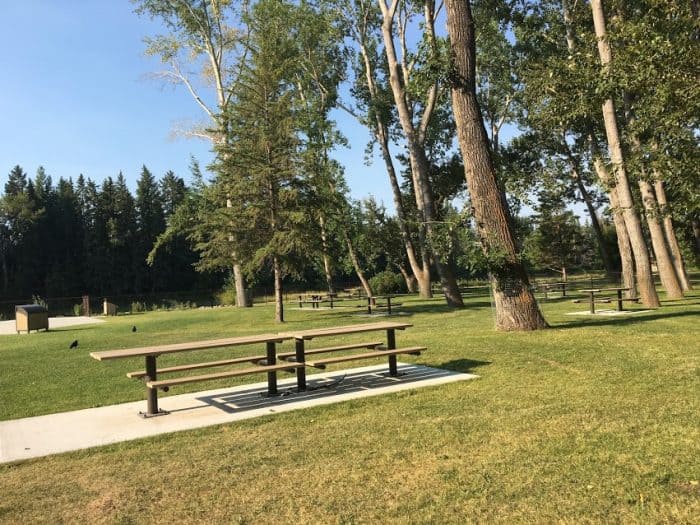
(55,433)
(610,313)
(8,327)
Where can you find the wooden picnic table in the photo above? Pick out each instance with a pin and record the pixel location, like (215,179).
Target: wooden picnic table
(593,291)
(372,302)
(300,337)
(151,353)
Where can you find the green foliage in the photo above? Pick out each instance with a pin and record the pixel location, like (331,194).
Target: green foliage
(387,282)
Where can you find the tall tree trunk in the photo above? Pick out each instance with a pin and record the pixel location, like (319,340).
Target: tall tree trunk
(411,282)
(238,277)
(623,239)
(645,279)
(670,235)
(696,237)
(356,264)
(326,257)
(592,213)
(664,261)
(516,308)
(420,268)
(279,303)
(415,144)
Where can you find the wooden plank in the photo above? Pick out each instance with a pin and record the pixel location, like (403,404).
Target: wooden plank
(344,330)
(416,350)
(339,348)
(221,375)
(182,347)
(194,366)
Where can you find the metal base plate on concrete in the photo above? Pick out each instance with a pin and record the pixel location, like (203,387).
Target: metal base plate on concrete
(55,433)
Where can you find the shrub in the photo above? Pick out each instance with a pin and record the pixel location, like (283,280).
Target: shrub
(388,282)
(137,306)
(77,310)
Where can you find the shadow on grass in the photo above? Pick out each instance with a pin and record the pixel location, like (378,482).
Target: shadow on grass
(619,320)
(460,365)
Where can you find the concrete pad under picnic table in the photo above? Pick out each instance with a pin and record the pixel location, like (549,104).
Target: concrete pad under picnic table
(63,432)
(612,313)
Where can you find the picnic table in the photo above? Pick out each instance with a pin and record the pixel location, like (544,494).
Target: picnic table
(270,362)
(592,296)
(300,338)
(151,353)
(372,303)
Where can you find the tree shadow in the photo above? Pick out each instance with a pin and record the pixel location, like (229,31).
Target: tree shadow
(460,365)
(623,321)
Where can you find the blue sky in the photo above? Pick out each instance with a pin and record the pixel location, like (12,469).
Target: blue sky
(75,97)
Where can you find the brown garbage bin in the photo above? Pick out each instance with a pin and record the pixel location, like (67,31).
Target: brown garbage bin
(31,317)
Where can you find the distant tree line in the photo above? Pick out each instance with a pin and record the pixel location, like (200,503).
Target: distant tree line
(71,238)
(74,237)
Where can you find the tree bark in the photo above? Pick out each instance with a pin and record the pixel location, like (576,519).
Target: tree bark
(623,240)
(326,258)
(411,282)
(670,235)
(420,268)
(592,212)
(356,265)
(516,308)
(664,261)
(645,279)
(415,144)
(279,303)
(238,277)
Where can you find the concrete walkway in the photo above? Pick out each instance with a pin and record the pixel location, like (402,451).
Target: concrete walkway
(51,434)
(8,327)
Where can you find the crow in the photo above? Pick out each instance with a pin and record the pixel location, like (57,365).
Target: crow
(133,328)
(74,344)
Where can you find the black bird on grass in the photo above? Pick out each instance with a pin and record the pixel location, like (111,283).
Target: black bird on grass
(74,344)
(133,328)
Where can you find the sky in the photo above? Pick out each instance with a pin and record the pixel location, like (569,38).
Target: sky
(76,97)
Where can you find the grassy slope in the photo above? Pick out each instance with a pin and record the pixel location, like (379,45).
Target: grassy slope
(594,420)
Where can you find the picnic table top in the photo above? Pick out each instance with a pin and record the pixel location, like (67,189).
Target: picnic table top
(604,290)
(348,329)
(591,290)
(193,345)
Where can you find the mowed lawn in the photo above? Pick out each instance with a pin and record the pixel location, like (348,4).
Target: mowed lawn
(596,420)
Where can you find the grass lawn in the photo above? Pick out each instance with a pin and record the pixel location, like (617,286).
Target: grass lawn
(594,420)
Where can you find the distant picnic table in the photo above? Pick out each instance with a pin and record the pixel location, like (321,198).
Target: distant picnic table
(592,292)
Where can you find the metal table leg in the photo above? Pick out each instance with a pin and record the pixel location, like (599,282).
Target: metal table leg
(300,358)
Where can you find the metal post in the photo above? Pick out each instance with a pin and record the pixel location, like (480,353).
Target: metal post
(563,289)
(592,302)
(272,375)
(300,302)
(369,305)
(151,393)
(619,300)
(388,303)
(391,345)
(300,358)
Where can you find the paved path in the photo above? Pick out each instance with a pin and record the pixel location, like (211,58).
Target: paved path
(8,327)
(44,435)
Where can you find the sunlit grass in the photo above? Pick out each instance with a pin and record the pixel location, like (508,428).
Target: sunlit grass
(594,420)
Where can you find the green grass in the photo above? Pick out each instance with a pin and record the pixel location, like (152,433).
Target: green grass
(595,420)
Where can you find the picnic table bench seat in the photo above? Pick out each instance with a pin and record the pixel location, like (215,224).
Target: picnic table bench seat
(195,366)
(291,356)
(164,384)
(321,363)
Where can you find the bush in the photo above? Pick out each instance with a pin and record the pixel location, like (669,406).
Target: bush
(137,306)
(227,295)
(387,283)
(77,310)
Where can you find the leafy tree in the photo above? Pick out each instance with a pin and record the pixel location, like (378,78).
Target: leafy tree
(516,308)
